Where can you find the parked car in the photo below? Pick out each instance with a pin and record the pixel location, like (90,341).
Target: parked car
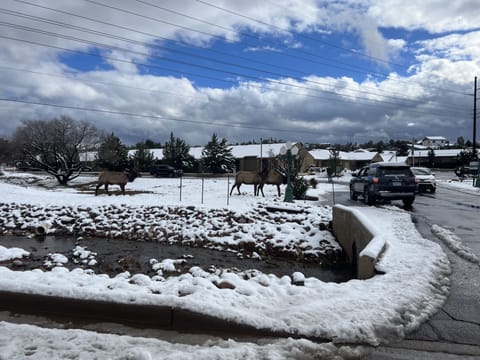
(425,179)
(384,181)
(163,170)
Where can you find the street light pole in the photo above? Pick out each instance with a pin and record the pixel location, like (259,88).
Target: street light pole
(413,151)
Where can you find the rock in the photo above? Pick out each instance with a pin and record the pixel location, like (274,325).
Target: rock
(224,285)
(18,263)
(298,279)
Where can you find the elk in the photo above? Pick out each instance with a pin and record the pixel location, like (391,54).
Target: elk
(115,178)
(247,177)
(272,177)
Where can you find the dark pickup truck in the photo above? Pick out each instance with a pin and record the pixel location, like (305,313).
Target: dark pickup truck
(165,171)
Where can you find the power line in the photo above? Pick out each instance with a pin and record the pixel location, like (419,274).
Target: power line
(330,99)
(183,63)
(288,31)
(212,35)
(95,32)
(160,117)
(257,38)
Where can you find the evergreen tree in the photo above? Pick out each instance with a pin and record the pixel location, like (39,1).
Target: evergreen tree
(431,157)
(112,154)
(143,158)
(176,153)
(464,157)
(334,161)
(6,151)
(217,156)
(403,149)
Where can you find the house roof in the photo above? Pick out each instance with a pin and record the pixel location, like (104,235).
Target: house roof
(320,154)
(435,138)
(437,153)
(358,155)
(361,155)
(238,151)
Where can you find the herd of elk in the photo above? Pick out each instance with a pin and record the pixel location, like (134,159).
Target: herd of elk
(258,180)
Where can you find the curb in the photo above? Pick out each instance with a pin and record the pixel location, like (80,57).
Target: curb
(135,315)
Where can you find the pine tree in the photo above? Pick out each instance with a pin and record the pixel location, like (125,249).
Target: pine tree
(217,156)
(143,158)
(112,154)
(176,153)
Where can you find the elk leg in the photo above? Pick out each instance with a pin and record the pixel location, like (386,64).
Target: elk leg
(106,188)
(260,189)
(96,189)
(278,188)
(233,187)
(123,188)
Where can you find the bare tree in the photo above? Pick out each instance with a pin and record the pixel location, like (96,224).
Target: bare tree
(55,145)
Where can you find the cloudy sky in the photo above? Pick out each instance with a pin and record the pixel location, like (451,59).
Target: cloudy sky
(299,70)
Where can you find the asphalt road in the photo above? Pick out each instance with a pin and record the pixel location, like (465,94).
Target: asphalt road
(454,332)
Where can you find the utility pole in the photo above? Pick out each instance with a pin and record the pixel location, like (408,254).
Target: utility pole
(475,120)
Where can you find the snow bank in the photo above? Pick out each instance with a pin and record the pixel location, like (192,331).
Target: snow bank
(383,308)
(455,244)
(32,342)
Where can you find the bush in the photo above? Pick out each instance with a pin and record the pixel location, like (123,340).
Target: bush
(299,188)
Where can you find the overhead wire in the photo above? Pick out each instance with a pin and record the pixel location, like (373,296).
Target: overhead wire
(256,37)
(161,117)
(218,37)
(334,99)
(155,46)
(189,64)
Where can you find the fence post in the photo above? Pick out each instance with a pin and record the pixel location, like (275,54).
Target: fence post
(203,180)
(181,177)
(228,188)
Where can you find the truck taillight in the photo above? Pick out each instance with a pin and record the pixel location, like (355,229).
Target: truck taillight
(375,180)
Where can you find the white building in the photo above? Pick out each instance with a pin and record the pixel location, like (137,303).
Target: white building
(434,142)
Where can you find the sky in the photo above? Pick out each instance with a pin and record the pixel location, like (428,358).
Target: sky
(413,286)
(307,71)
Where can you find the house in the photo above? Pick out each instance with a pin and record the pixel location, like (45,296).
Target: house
(252,157)
(360,158)
(442,158)
(434,142)
(347,160)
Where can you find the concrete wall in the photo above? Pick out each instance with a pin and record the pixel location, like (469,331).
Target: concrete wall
(361,242)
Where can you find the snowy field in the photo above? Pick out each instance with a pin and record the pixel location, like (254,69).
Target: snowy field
(414,285)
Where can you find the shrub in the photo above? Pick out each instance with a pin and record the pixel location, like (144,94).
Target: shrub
(299,188)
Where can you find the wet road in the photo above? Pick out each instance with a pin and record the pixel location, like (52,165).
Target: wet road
(454,332)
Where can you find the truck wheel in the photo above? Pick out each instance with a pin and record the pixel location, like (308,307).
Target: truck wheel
(368,198)
(353,196)
(407,202)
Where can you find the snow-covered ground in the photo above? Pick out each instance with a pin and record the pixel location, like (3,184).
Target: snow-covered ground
(465,185)
(414,285)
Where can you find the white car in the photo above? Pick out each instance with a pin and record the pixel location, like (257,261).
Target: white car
(425,179)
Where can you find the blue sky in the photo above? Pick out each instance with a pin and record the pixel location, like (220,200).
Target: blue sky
(311,71)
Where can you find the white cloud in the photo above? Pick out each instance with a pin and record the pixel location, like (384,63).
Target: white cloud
(315,109)
(435,16)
